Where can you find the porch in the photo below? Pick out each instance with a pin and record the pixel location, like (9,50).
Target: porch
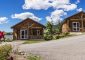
(76,25)
(32,33)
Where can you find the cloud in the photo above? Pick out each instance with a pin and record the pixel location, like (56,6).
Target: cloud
(3,20)
(36,4)
(25,15)
(80,9)
(66,7)
(78,1)
(56,16)
(45,4)
(60,7)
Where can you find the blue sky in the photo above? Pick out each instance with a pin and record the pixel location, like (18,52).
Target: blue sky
(12,7)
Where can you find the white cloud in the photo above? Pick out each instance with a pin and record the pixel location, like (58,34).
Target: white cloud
(71,7)
(66,7)
(26,15)
(3,20)
(78,1)
(36,4)
(59,2)
(80,9)
(60,7)
(45,4)
(56,16)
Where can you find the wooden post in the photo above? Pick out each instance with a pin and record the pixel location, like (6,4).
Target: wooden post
(68,26)
(82,21)
(31,33)
(14,34)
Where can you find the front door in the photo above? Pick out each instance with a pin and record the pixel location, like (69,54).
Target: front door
(23,34)
(75,26)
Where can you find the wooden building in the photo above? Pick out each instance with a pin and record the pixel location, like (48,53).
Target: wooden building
(28,29)
(74,23)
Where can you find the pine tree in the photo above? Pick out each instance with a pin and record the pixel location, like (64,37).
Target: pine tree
(49,28)
(49,31)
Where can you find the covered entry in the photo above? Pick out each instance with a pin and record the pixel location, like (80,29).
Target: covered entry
(76,26)
(23,34)
(36,33)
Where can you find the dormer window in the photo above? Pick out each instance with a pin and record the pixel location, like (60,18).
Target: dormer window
(30,24)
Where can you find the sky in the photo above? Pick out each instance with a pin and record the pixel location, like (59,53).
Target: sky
(14,11)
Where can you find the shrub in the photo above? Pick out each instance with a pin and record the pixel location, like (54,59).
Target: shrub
(5,51)
(66,34)
(33,57)
(48,37)
(57,37)
(8,40)
(61,35)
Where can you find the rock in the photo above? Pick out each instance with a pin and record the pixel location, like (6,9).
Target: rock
(10,58)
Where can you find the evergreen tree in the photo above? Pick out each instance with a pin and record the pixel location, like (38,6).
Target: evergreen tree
(49,28)
(49,31)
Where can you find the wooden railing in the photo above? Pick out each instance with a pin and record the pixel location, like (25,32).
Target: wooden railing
(35,36)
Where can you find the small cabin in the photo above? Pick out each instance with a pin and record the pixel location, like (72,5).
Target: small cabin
(74,23)
(28,29)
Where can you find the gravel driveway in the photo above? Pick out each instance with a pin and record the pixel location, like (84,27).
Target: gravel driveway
(72,48)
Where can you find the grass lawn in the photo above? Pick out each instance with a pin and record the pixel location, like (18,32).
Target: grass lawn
(33,41)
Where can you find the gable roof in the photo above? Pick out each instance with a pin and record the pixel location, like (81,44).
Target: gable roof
(73,15)
(31,20)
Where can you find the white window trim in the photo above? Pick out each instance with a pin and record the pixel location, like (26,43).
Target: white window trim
(24,35)
(38,32)
(76,26)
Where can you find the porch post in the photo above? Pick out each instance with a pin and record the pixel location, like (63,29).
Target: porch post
(82,21)
(68,26)
(28,33)
(31,34)
(14,34)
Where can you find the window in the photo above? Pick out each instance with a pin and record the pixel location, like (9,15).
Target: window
(75,26)
(23,34)
(38,32)
(30,24)
(34,32)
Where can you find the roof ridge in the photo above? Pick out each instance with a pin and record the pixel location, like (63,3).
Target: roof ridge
(74,14)
(29,19)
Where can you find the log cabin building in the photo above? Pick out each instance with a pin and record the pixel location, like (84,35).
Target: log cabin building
(74,23)
(28,29)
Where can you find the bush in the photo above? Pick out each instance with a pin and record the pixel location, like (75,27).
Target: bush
(5,51)
(8,40)
(66,34)
(48,37)
(33,57)
(61,35)
(57,37)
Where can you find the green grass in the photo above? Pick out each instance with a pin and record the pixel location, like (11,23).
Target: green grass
(33,41)
(33,57)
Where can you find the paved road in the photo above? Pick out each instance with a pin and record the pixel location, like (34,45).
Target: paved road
(72,48)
